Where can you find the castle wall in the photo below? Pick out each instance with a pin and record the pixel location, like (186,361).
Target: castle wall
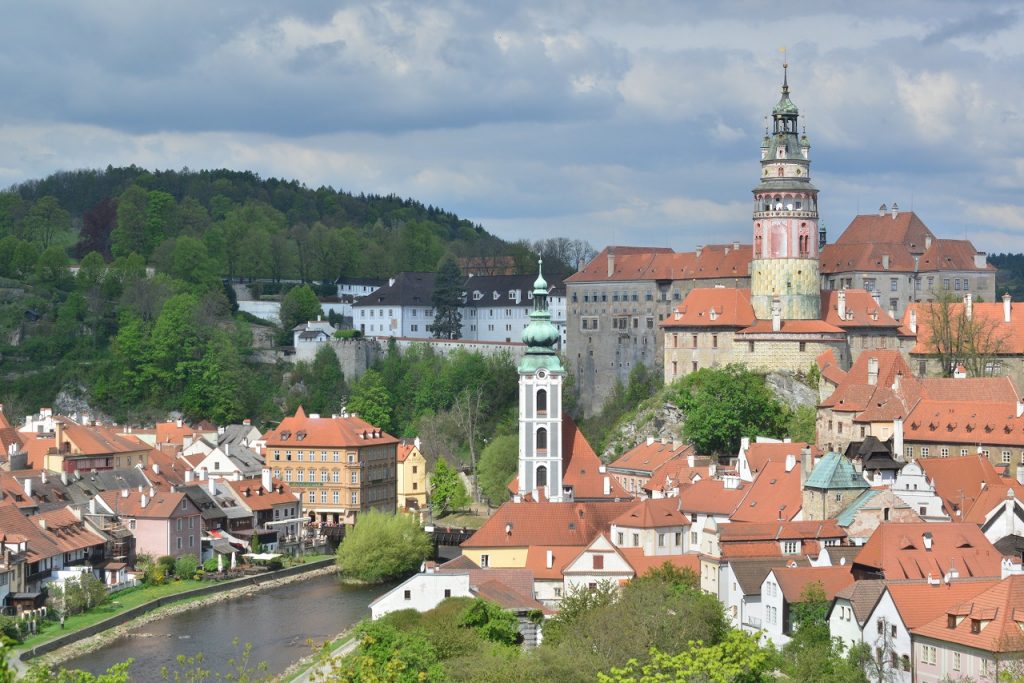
(796,283)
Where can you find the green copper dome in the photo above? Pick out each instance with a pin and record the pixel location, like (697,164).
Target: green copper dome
(540,336)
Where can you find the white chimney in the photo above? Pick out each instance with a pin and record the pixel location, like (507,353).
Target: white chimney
(211,486)
(417,443)
(897,438)
(926,538)
(1020,408)
(650,441)
(156,468)
(841,304)
(927,241)
(92,506)
(143,500)
(42,476)
(178,422)
(873,371)
(550,559)
(64,478)
(27,483)
(913,321)
(189,476)
(895,210)
(265,478)
(1007,307)
(968,305)
(42,523)
(882,209)
(776,315)
(607,485)
(124,493)
(790,462)
(885,262)
(691,460)
(611,262)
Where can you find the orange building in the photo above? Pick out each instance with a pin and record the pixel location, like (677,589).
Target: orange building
(342,465)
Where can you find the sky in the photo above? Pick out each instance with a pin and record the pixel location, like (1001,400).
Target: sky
(628,123)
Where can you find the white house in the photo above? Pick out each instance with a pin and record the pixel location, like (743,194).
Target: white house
(918,491)
(785,586)
(742,582)
(600,561)
(423,591)
(308,337)
(227,462)
(655,525)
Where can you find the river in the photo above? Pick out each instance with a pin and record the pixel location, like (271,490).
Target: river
(277,621)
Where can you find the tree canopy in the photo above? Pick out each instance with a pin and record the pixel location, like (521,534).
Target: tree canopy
(382,546)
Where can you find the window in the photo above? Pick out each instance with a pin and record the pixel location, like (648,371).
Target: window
(447,592)
(924,451)
(945,283)
(485,561)
(636,540)
(894,284)
(944,452)
(191,541)
(131,525)
(893,630)
(598,561)
(908,451)
(927,654)
(184,503)
(179,524)
(179,542)
(694,337)
(963,452)
(790,547)
(956,661)
(335,497)
(975,626)
(1006,457)
(408,595)
(679,538)
(693,538)
(355,498)
(191,522)
(311,498)
(714,341)
(542,439)
(354,477)
(542,401)
(619,539)
(661,540)
(335,476)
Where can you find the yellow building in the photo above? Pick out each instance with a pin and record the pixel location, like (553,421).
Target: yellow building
(412,476)
(342,465)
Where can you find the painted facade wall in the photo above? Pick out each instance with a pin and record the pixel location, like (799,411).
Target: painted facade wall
(497,557)
(669,540)
(422,592)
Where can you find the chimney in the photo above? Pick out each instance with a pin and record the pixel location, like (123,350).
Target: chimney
(64,478)
(27,483)
(247,422)
(882,209)
(265,478)
(42,476)
(926,538)
(211,486)
(1020,408)
(895,210)
(913,320)
(806,464)
(980,259)
(42,523)
(178,423)
(124,493)
(841,303)
(1007,307)
(607,485)
(650,441)
(690,460)
(700,250)
(885,262)
(189,476)
(790,462)
(969,306)
(776,315)
(92,506)
(550,559)
(611,262)
(417,443)
(143,500)
(897,438)
(873,370)
(927,241)
(156,468)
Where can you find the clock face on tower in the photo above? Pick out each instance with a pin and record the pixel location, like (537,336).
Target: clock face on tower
(778,234)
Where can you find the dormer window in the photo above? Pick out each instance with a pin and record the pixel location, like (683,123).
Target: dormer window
(477,295)
(975,625)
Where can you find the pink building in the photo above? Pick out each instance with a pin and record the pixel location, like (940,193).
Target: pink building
(163,522)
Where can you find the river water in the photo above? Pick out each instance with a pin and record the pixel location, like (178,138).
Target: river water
(277,621)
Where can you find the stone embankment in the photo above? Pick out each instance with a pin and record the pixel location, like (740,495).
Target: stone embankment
(94,637)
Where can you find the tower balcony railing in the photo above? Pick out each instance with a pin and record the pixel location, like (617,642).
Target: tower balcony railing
(786,213)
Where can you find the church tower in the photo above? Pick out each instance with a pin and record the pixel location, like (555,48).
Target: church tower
(540,401)
(786,237)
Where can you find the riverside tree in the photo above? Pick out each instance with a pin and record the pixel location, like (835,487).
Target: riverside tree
(383,546)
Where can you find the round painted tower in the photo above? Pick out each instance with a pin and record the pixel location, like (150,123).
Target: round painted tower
(785,262)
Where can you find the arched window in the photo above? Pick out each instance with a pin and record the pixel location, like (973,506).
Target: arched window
(542,439)
(542,400)
(542,476)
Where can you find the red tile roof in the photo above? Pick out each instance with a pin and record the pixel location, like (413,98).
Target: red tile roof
(861,310)
(653,513)
(710,496)
(853,392)
(794,580)
(561,556)
(520,525)
(780,531)
(642,564)
(1007,336)
(793,327)
(675,474)
(919,602)
(713,307)
(259,498)
(67,530)
(159,505)
(659,263)
(647,457)
(760,453)
(966,422)
(998,611)
(405,449)
(959,481)
(774,496)
(899,551)
(828,366)
(98,440)
(14,525)
(300,431)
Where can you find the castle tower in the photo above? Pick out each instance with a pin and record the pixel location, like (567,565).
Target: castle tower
(786,237)
(540,401)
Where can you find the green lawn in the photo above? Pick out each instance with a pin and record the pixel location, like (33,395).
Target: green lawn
(123,600)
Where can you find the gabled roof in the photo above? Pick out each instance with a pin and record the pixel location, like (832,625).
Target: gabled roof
(779,531)
(408,289)
(774,496)
(862,596)
(794,580)
(1010,335)
(961,480)
(40,543)
(760,453)
(919,602)
(642,564)
(713,307)
(405,449)
(965,422)
(561,556)
(710,496)
(855,392)
(996,613)
(676,474)
(98,440)
(653,513)
(251,494)
(860,307)
(649,456)
(828,366)
(542,523)
(300,431)
(161,505)
(66,530)
(834,472)
(901,551)
(750,573)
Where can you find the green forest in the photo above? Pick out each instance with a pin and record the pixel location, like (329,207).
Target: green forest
(114,284)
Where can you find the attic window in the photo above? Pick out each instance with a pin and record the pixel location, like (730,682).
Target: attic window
(950,621)
(285,436)
(975,625)
(299,436)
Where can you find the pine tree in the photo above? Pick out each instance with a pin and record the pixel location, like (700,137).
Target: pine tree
(447,299)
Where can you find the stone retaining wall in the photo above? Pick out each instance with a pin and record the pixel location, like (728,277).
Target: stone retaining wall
(128,615)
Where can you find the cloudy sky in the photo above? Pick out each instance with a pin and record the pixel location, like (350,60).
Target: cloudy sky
(633,123)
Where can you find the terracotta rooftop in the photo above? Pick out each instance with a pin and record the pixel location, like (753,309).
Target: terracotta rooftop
(647,457)
(863,596)
(300,431)
(992,620)
(546,524)
(750,573)
(259,498)
(829,367)
(1007,337)
(660,263)
(965,422)
(860,308)
(919,602)
(854,391)
(160,505)
(67,530)
(794,580)
(960,481)
(405,449)
(14,524)
(780,531)
(653,513)
(710,496)
(760,453)
(713,307)
(537,560)
(918,550)
(642,564)
(676,474)
(775,495)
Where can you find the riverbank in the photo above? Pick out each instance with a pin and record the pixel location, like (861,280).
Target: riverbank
(105,633)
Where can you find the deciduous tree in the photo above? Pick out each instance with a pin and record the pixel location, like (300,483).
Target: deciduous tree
(498,463)
(382,546)
(447,299)
(447,492)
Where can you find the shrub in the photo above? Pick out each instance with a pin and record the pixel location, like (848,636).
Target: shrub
(382,546)
(185,566)
(210,565)
(155,575)
(347,334)
(166,562)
